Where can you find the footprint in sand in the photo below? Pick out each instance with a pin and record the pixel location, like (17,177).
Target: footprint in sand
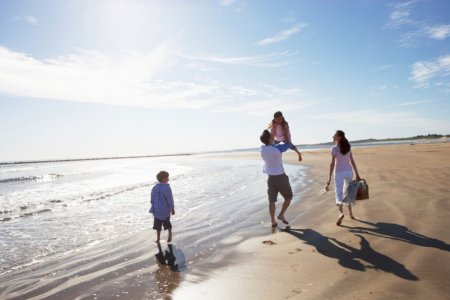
(269,242)
(295,251)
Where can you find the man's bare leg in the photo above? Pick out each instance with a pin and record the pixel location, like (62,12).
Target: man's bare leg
(272,213)
(286,204)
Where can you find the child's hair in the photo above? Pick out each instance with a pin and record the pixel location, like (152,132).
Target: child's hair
(265,137)
(344,144)
(162,175)
(278,114)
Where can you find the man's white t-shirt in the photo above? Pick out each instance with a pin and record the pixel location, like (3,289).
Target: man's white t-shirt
(271,154)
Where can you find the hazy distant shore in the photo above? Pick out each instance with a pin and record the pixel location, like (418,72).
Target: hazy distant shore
(431,138)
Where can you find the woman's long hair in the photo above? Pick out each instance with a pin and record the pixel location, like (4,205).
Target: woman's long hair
(344,145)
(283,124)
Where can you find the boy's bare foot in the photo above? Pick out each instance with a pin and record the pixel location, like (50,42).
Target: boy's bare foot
(339,221)
(274,224)
(352,217)
(157,242)
(300,157)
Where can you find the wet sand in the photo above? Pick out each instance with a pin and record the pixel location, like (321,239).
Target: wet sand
(398,248)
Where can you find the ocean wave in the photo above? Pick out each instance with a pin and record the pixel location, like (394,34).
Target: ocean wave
(40,178)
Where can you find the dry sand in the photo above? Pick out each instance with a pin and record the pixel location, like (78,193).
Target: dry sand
(397,248)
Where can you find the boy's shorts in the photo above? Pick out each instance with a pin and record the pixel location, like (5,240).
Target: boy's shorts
(279,184)
(157,224)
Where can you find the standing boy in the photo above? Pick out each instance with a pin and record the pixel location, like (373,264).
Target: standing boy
(162,205)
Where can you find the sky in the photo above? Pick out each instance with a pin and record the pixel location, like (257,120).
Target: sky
(82,78)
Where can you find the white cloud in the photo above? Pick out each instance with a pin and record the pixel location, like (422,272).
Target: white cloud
(133,79)
(382,67)
(424,71)
(439,32)
(226,2)
(276,59)
(400,14)
(282,35)
(413,103)
(379,118)
(30,19)
(417,30)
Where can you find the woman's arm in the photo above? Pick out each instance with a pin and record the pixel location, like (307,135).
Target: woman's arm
(333,159)
(354,167)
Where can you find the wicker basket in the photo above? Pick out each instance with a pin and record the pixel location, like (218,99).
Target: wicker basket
(363,190)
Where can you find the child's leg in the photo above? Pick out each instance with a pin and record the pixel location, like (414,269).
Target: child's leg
(158,235)
(293,148)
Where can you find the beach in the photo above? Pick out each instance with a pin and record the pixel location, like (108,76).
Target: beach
(397,248)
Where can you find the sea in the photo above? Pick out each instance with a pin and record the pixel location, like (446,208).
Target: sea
(53,209)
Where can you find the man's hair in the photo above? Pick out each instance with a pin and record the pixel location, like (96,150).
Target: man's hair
(162,175)
(265,137)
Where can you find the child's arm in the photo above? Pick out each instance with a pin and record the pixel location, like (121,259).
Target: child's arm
(288,134)
(170,201)
(272,130)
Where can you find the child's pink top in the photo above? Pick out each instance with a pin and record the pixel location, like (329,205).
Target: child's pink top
(342,161)
(280,134)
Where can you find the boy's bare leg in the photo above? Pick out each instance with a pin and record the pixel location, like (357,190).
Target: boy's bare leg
(350,211)
(169,239)
(286,204)
(158,235)
(341,216)
(272,213)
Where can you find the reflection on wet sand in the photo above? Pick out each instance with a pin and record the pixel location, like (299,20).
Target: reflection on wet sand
(168,276)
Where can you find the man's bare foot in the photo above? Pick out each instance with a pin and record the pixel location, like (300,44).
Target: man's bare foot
(352,217)
(282,219)
(339,221)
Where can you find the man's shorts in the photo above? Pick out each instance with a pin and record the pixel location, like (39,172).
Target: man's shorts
(157,224)
(279,184)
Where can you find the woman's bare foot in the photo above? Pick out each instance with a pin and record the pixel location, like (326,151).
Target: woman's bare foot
(339,221)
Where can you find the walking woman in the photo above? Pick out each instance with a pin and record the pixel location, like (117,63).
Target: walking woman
(341,163)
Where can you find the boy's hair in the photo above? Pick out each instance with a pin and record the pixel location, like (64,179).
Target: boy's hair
(162,175)
(265,137)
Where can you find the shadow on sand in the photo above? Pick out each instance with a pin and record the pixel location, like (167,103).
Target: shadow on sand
(399,233)
(350,257)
